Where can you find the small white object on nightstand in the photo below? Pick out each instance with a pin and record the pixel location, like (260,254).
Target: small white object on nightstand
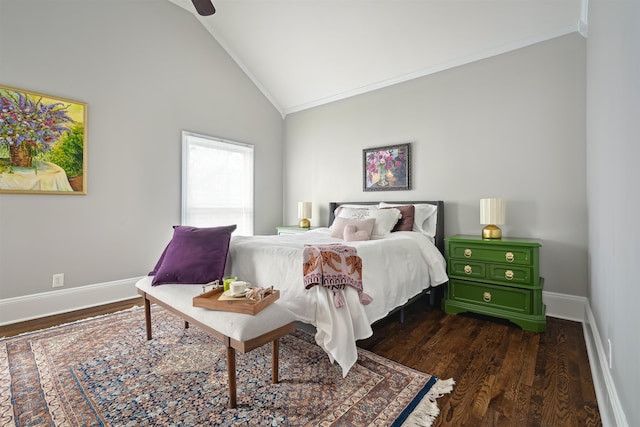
(292,229)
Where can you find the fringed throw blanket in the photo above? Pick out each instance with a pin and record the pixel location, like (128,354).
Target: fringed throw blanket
(333,266)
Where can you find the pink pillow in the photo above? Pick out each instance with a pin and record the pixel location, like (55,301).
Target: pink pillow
(339,224)
(351,234)
(405,223)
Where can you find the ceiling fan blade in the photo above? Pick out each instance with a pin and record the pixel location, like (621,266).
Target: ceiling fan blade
(204,7)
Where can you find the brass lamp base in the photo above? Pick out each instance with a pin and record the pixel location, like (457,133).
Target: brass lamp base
(305,223)
(491,232)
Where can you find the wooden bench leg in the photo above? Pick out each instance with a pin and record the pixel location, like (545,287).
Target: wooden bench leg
(147,316)
(275,354)
(231,376)
(242,346)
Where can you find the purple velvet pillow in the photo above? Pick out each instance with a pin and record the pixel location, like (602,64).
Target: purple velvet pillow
(406,222)
(194,255)
(159,263)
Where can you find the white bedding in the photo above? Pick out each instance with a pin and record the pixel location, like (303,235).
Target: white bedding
(394,269)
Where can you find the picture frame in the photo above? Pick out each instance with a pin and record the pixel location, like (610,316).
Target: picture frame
(43,143)
(387,168)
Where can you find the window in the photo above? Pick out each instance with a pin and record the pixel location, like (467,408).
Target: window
(217,183)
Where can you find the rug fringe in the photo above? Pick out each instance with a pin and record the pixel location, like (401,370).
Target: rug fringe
(427,410)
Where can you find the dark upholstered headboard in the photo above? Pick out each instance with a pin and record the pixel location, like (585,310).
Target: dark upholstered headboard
(439,237)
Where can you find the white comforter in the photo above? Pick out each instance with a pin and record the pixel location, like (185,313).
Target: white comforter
(394,269)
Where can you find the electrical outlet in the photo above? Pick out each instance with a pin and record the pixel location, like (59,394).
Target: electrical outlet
(610,354)
(58,280)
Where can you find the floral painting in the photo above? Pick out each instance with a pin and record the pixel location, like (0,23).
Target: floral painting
(42,143)
(387,168)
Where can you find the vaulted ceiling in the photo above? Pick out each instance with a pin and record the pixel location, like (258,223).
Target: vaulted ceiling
(305,53)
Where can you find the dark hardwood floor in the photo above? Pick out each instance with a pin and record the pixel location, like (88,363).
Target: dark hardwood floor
(504,376)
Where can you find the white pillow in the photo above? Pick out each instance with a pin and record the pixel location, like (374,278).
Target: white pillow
(424,220)
(336,213)
(385,218)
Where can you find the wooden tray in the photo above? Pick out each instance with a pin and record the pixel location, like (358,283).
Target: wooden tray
(238,305)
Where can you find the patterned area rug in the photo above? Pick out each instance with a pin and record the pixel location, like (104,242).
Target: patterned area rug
(103,372)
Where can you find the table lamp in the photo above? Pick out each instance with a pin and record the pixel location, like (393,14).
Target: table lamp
(491,213)
(304,212)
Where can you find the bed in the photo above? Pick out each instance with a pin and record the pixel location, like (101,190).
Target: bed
(396,268)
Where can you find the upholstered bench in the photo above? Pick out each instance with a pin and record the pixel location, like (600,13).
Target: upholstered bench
(241,332)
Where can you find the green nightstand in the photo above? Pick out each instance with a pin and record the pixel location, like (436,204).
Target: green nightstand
(292,229)
(497,277)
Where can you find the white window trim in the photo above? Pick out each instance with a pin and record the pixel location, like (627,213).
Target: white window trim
(185,178)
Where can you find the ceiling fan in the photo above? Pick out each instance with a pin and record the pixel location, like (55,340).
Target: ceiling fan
(204,7)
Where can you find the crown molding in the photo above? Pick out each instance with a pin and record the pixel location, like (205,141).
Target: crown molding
(580,27)
(222,42)
(478,56)
(584,18)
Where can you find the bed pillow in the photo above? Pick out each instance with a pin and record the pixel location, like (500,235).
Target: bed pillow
(194,255)
(159,263)
(386,219)
(352,234)
(340,224)
(405,223)
(425,218)
(336,212)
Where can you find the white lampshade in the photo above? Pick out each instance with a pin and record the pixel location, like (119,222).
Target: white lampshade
(492,211)
(304,210)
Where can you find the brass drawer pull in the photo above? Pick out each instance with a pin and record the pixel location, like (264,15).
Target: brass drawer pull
(509,256)
(467,253)
(486,297)
(508,274)
(467,269)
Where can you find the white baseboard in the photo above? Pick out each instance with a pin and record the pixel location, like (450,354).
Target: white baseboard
(34,306)
(611,411)
(28,307)
(563,306)
(569,307)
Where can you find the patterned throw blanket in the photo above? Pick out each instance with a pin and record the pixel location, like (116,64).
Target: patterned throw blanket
(333,266)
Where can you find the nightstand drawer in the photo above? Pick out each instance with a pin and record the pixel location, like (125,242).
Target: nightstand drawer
(514,275)
(510,274)
(467,269)
(483,252)
(497,297)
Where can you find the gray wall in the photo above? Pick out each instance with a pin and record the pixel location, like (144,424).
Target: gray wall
(511,126)
(147,70)
(613,153)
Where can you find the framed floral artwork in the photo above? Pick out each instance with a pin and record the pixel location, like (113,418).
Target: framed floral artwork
(387,168)
(43,143)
